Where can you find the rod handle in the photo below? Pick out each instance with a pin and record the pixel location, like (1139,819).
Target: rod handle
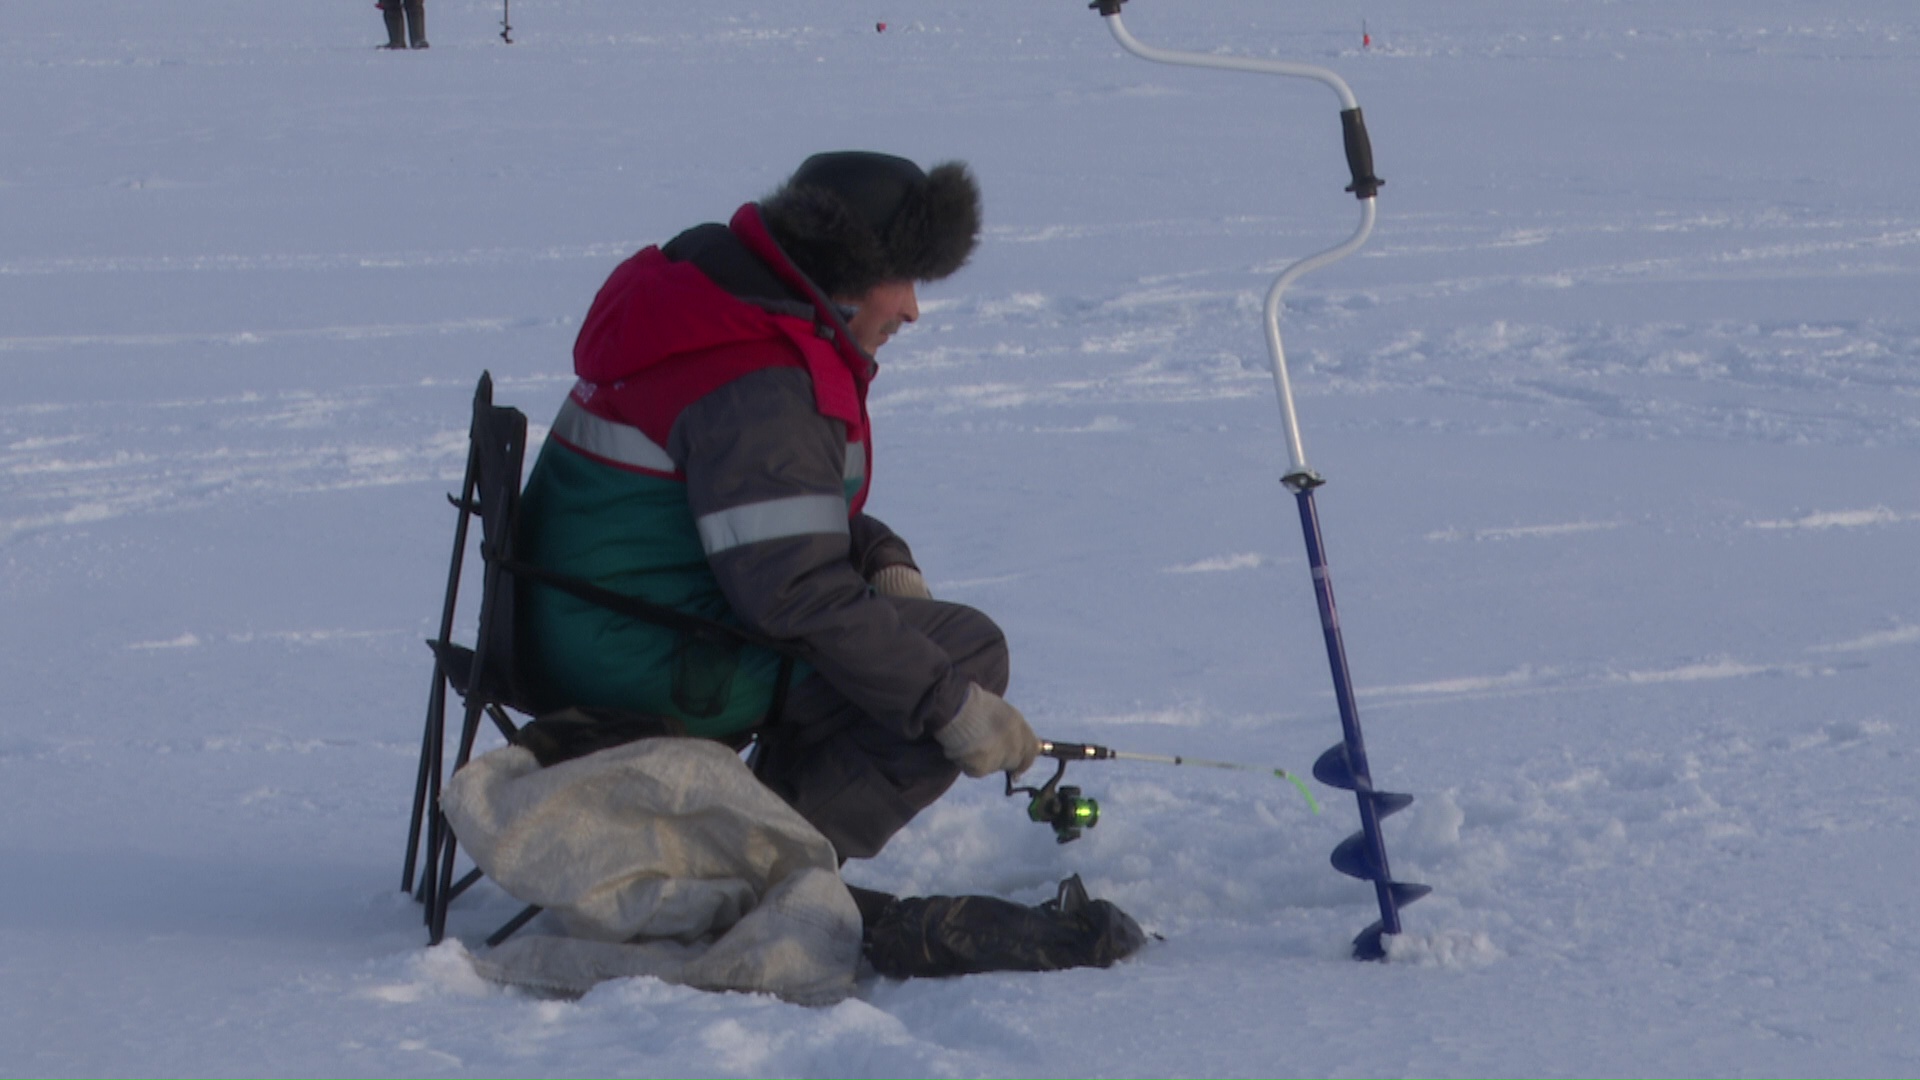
(1066,751)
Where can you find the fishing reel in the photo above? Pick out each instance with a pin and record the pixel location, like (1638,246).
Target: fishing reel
(1070,812)
(1064,808)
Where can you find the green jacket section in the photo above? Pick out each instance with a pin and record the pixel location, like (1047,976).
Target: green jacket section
(631,533)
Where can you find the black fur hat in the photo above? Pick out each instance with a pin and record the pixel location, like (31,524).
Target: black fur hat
(853,219)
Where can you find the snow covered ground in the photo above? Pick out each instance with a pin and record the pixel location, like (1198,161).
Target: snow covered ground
(1620,412)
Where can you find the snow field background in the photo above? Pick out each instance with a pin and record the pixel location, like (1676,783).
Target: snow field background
(1619,409)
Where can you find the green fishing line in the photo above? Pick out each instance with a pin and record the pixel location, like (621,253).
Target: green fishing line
(1301,784)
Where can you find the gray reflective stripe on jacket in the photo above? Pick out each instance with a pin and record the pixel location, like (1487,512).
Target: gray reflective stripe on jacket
(624,444)
(609,440)
(776,519)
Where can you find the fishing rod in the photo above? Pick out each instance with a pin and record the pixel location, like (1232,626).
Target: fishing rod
(506,27)
(1070,813)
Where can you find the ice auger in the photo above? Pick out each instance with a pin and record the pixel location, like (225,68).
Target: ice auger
(1364,854)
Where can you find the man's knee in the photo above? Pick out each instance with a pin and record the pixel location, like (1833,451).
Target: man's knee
(985,661)
(975,642)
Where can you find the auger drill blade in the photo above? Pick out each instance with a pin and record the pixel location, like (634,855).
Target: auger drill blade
(1388,803)
(1333,769)
(1354,858)
(1370,944)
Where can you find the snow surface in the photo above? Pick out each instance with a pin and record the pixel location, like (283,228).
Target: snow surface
(1620,412)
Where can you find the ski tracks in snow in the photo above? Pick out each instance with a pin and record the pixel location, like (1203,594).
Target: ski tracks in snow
(78,464)
(1684,338)
(1815,657)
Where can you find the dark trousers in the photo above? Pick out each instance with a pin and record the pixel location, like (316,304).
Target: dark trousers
(855,780)
(406,23)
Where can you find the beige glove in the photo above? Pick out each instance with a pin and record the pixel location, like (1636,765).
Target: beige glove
(901,580)
(988,736)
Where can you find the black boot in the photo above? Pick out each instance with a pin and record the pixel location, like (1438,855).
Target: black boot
(872,904)
(416,22)
(919,936)
(396,24)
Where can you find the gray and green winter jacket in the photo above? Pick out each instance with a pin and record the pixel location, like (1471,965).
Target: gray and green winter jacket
(713,456)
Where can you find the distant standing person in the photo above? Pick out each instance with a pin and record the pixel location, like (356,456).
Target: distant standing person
(406,23)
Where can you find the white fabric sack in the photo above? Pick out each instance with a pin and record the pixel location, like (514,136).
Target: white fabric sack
(663,857)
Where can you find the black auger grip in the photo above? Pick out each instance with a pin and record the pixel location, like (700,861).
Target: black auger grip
(1353,129)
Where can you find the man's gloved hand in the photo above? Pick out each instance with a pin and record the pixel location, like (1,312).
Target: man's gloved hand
(900,579)
(988,736)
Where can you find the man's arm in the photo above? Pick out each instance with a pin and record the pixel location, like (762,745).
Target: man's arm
(883,559)
(764,480)
(876,547)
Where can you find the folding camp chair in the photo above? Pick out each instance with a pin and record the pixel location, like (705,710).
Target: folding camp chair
(487,676)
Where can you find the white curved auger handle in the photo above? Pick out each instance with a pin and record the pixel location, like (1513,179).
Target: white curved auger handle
(1364,186)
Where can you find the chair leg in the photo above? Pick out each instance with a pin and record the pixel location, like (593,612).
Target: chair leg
(502,722)
(430,735)
(436,838)
(467,881)
(436,828)
(441,835)
(419,816)
(442,884)
(526,915)
(442,894)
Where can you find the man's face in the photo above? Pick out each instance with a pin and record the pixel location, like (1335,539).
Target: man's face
(878,314)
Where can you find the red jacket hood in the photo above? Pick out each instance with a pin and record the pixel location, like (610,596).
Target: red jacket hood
(653,310)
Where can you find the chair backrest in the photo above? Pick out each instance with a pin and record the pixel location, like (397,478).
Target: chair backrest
(487,675)
(499,447)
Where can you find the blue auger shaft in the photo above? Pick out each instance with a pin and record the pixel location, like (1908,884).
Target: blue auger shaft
(1351,739)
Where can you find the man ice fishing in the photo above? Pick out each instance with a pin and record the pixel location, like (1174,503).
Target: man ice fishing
(715,456)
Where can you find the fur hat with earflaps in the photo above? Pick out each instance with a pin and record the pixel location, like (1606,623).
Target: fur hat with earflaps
(853,219)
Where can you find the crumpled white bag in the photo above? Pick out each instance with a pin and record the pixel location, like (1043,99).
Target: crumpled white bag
(662,857)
